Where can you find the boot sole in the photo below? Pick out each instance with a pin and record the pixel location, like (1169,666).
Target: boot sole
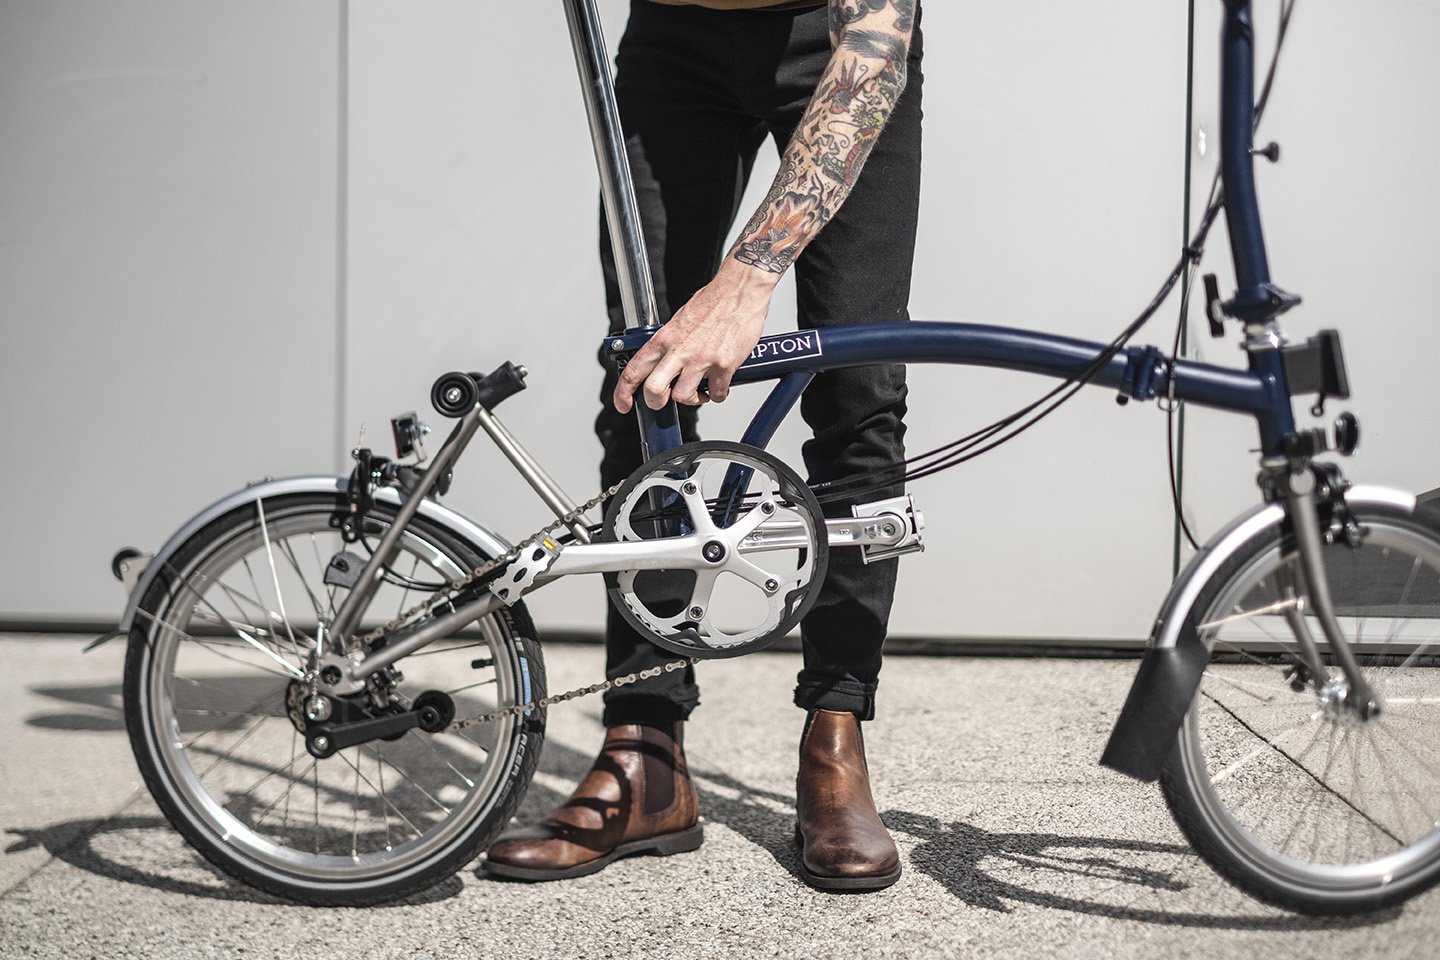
(852,884)
(663,846)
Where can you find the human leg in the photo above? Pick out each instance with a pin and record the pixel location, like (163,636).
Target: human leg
(691,148)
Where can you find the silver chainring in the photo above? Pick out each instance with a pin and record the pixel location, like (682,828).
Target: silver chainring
(759,558)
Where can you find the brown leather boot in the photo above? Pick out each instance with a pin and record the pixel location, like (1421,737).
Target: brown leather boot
(843,844)
(637,798)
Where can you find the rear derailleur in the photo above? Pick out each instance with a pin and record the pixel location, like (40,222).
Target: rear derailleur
(330,724)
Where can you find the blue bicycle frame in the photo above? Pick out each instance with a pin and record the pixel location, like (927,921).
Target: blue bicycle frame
(1142,372)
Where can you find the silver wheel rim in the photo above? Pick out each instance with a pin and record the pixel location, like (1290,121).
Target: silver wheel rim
(1293,787)
(371,812)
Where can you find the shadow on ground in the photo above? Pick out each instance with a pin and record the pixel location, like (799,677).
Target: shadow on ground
(1123,879)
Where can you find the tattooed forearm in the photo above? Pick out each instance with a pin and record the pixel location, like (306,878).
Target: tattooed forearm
(845,12)
(860,87)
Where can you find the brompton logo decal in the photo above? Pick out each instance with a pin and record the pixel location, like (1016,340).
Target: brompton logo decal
(785,347)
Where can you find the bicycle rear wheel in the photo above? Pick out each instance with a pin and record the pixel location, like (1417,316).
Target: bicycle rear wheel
(1286,792)
(215,720)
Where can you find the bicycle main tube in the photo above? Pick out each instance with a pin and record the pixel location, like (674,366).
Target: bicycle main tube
(659,429)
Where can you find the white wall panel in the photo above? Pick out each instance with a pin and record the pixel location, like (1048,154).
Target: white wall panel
(167,262)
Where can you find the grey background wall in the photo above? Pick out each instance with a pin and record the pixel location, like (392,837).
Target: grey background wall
(232,235)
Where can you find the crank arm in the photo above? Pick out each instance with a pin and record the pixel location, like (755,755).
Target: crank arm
(884,530)
(669,553)
(326,739)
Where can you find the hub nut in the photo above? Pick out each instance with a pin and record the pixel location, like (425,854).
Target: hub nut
(317,709)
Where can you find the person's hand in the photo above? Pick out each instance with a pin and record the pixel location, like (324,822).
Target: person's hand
(707,339)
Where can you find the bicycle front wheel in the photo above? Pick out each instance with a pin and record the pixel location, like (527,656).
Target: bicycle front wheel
(214,709)
(1287,792)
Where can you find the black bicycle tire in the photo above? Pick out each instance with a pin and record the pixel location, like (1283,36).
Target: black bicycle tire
(1182,797)
(525,745)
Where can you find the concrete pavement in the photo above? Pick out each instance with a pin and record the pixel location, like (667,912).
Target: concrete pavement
(1015,843)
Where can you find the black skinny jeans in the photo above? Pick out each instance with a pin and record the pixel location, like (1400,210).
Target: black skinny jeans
(699,90)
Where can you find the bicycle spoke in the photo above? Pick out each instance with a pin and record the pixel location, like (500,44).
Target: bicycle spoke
(398,812)
(1304,769)
(288,552)
(274,573)
(425,739)
(289,667)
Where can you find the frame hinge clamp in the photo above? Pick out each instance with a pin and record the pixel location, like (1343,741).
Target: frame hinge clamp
(1145,373)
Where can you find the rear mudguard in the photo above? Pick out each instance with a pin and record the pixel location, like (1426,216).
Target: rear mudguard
(1170,671)
(484,541)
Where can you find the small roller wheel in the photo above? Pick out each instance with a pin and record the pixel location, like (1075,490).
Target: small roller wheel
(454,394)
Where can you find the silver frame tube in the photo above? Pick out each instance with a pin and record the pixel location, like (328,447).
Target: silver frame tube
(539,479)
(352,608)
(617,190)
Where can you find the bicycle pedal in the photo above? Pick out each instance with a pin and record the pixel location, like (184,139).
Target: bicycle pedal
(889,514)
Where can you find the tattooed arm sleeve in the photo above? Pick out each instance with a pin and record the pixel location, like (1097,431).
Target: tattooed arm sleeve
(866,73)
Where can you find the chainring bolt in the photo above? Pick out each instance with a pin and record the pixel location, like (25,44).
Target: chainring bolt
(713,551)
(696,613)
(689,488)
(767,507)
(772,585)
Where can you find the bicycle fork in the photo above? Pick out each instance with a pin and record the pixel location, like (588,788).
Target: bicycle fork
(1359,695)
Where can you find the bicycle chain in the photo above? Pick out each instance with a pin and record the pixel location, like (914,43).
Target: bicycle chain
(577,693)
(488,567)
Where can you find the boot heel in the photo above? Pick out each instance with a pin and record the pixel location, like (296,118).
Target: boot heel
(682,842)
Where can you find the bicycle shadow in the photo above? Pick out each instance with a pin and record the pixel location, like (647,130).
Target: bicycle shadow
(962,857)
(144,849)
(983,869)
(99,845)
(91,708)
(966,859)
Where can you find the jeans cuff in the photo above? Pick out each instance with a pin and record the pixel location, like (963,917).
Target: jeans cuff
(832,694)
(648,710)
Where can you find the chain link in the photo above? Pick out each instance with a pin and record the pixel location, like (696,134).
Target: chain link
(578,692)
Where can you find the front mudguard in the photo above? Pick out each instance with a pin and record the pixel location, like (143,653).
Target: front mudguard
(1170,671)
(484,541)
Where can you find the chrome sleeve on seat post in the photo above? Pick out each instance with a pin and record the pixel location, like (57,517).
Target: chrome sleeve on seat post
(617,190)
